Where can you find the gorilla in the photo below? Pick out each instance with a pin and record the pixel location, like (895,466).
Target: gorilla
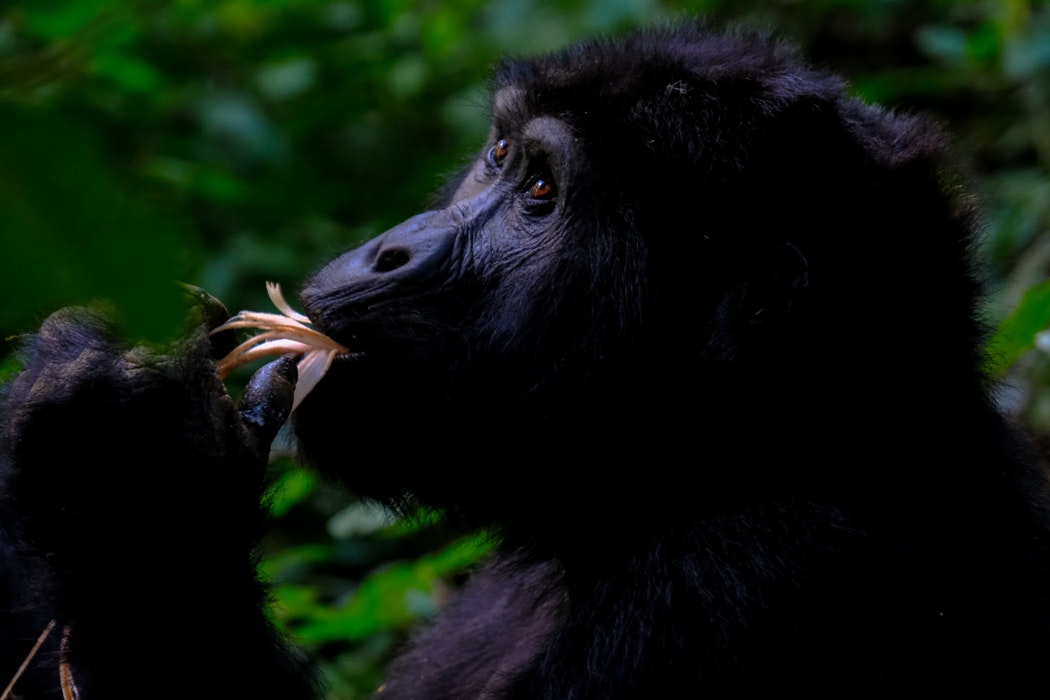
(696,335)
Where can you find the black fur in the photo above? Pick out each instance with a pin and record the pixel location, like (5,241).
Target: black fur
(715,381)
(133,491)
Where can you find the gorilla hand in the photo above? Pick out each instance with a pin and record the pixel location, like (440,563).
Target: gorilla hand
(136,482)
(101,441)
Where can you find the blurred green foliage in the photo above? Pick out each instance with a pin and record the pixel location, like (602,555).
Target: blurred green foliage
(229,142)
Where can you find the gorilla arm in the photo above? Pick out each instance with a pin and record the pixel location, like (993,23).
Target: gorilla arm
(134,484)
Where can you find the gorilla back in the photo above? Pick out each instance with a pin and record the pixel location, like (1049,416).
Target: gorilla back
(696,334)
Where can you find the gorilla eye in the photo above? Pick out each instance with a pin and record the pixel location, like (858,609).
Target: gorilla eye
(498,154)
(542,189)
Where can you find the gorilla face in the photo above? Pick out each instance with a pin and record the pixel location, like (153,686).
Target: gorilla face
(475,281)
(515,276)
(656,246)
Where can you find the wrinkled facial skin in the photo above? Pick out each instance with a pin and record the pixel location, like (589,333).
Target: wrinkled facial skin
(644,256)
(467,322)
(481,261)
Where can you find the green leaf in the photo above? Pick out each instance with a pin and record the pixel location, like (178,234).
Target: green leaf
(284,563)
(395,596)
(1016,334)
(291,488)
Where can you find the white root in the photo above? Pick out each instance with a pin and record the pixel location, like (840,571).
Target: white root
(284,333)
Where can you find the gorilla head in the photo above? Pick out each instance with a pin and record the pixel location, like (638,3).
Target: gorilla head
(687,254)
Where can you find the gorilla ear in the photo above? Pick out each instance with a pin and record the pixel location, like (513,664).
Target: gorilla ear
(773,286)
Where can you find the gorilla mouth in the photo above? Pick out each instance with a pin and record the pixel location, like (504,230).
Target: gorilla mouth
(288,332)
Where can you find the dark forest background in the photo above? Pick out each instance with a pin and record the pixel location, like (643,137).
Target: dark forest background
(225,143)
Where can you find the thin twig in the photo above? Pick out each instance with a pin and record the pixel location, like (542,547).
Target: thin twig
(29,657)
(65,673)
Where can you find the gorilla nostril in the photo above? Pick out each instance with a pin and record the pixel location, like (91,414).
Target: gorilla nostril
(392,259)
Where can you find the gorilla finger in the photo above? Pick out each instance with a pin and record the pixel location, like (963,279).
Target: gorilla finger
(213,314)
(267,400)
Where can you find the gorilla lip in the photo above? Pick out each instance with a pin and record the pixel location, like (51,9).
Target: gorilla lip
(288,332)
